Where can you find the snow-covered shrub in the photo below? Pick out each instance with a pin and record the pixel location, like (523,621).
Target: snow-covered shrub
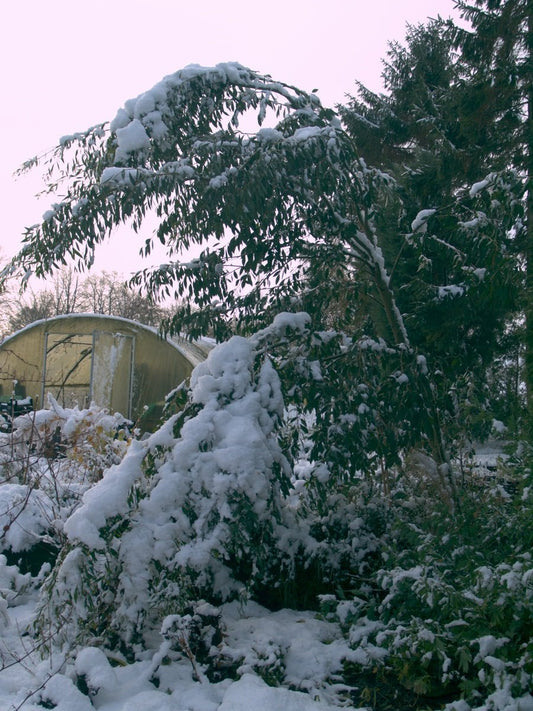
(363,405)
(90,439)
(195,511)
(47,461)
(450,613)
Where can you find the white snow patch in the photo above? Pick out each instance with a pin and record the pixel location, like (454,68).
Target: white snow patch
(450,291)
(25,516)
(108,497)
(93,665)
(251,692)
(131,138)
(481,185)
(269,135)
(421,219)
(306,133)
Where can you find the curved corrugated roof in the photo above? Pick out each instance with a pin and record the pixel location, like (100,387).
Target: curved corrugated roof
(194,351)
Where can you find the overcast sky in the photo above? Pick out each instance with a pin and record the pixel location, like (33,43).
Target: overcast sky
(68,64)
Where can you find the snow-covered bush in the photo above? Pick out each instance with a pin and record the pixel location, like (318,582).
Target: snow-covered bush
(47,462)
(450,613)
(197,510)
(90,439)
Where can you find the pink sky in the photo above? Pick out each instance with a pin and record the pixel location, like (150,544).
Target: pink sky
(67,64)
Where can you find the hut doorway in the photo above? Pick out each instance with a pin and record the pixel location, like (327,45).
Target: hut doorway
(80,368)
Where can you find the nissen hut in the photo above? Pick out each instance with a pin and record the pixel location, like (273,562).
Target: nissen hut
(82,358)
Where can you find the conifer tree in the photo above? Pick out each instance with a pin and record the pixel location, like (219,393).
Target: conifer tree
(499,53)
(434,133)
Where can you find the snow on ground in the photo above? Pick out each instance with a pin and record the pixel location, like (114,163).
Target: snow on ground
(313,650)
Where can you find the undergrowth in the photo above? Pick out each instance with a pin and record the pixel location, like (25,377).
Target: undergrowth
(446,621)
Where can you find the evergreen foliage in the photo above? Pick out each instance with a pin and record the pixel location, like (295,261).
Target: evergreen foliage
(449,615)
(498,51)
(457,252)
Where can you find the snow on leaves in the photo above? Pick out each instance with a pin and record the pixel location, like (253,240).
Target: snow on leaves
(260,204)
(195,503)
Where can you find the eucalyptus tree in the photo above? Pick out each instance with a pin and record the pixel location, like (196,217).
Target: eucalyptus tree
(281,217)
(256,205)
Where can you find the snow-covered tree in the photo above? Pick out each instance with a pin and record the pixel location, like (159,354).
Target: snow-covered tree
(498,50)
(268,211)
(261,205)
(199,510)
(456,241)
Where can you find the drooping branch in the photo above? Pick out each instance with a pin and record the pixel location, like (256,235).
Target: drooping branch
(254,204)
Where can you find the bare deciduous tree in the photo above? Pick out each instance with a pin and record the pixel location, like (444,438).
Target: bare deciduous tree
(105,293)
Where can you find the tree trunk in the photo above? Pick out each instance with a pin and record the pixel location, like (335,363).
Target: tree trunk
(400,336)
